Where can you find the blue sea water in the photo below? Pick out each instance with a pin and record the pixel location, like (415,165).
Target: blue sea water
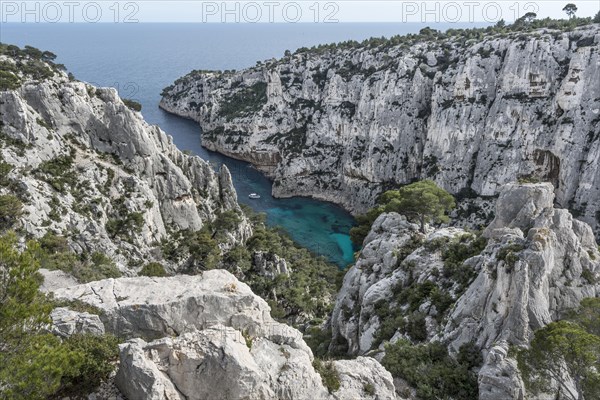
(141,59)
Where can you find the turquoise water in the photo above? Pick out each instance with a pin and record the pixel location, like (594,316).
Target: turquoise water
(141,59)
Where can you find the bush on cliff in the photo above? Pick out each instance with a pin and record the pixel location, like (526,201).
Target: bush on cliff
(432,372)
(570,346)
(421,202)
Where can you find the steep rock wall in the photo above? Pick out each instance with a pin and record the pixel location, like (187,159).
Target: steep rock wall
(343,124)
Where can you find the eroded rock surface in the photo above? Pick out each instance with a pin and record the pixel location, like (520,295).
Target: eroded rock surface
(213,338)
(344,123)
(85,163)
(538,262)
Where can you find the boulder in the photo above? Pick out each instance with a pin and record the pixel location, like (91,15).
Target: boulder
(66,322)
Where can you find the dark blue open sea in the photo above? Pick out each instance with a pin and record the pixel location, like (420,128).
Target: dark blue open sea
(141,59)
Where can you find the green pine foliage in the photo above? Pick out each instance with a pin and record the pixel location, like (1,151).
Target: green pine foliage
(29,63)
(153,269)
(132,104)
(569,346)
(53,253)
(432,371)
(329,374)
(421,202)
(33,363)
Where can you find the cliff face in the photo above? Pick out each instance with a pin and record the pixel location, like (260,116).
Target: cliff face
(88,167)
(346,123)
(533,264)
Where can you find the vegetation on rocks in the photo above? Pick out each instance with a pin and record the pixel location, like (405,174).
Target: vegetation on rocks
(28,62)
(569,346)
(58,172)
(329,374)
(432,371)
(132,104)
(153,269)
(527,23)
(53,253)
(35,364)
(421,202)
(247,100)
(11,209)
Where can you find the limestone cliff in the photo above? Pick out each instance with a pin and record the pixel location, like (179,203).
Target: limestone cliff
(88,167)
(343,123)
(533,263)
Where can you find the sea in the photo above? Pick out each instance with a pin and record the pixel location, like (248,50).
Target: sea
(141,59)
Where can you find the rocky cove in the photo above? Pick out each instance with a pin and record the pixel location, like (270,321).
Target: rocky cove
(342,123)
(167,288)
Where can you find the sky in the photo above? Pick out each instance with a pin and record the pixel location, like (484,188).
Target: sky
(272,11)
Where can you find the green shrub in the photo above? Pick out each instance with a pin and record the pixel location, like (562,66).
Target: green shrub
(5,169)
(123,222)
(97,268)
(132,104)
(53,243)
(58,172)
(454,256)
(318,340)
(35,365)
(509,254)
(153,269)
(248,100)
(84,268)
(98,354)
(432,372)
(329,374)
(11,210)
(9,81)
(227,221)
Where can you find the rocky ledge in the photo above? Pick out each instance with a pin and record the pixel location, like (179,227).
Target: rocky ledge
(209,336)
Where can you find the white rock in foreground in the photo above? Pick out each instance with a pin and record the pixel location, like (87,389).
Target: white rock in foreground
(215,340)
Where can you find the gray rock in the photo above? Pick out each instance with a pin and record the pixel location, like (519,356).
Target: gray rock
(56,279)
(269,265)
(538,263)
(66,322)
(152,308)
(221,363)
(499,378)
(120,164)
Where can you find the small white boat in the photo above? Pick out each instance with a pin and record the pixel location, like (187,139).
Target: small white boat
(254,196)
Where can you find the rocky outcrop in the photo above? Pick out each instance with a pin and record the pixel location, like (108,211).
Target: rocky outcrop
(345,122)
(368,281)
(269,265)
(219,363)
(66,322)
(90,168)
(213,338)
(538,263)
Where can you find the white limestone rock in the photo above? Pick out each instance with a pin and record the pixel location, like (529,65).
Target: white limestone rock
(66,322)
(344,124)
(538,263)
(120,165)
(221,363)
(213,338)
